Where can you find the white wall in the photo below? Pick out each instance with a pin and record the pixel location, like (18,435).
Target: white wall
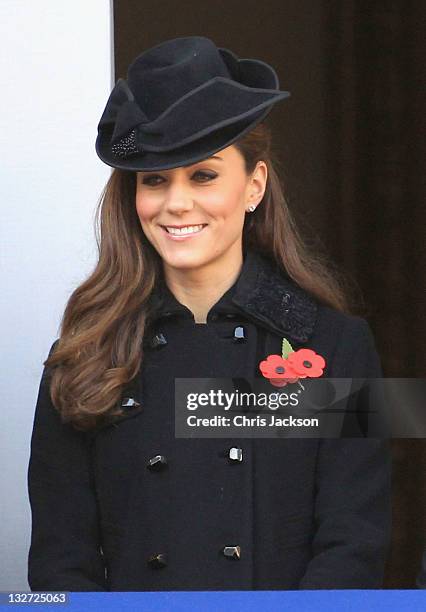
(56,74)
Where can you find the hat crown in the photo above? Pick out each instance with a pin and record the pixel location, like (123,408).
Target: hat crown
(163,74)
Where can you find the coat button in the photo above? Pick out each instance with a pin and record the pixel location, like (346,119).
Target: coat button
(158,340)
(158,560)
(157,463)
(129,402)
(235,454)
(232,552)
(239,334)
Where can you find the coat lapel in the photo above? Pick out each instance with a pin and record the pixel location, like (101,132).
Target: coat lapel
(269,296)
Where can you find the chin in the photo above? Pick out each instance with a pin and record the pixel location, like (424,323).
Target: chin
(186,259)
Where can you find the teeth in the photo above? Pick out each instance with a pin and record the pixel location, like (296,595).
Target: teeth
(189,229)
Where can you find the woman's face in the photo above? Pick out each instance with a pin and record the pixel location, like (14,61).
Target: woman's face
(193,215)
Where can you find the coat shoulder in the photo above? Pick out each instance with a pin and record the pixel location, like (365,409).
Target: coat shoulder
(349,342)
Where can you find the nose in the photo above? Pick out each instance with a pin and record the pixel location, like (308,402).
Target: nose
(178,199)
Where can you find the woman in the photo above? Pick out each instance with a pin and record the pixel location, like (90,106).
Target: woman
(201,274)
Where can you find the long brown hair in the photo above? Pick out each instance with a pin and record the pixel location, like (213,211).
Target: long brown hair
(101,333)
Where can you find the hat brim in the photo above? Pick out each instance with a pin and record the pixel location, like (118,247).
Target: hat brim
(186,155)
(170,140)
(183,156)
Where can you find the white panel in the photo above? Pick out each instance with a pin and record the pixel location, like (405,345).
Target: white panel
(56,71)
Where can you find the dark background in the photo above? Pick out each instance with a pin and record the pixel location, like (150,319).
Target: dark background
(350,142)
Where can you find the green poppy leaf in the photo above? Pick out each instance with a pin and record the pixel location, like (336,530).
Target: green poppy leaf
(286,348)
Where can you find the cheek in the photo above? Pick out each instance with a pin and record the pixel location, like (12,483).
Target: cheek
(145,208)
(228,205)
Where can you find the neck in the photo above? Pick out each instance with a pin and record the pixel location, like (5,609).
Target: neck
(200,288)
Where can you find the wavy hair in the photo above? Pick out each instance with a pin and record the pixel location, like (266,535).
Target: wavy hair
(100,345)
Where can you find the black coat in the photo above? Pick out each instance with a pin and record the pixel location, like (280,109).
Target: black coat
(306,513)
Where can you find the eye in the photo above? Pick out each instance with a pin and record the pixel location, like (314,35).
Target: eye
(148,180)
(208,175)
(205,176)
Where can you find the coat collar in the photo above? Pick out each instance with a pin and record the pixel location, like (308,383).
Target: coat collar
(263,293)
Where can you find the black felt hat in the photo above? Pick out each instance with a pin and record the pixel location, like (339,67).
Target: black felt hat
(183,100)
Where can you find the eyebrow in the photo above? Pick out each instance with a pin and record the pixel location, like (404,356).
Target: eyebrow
(195,164)
(206,160)
(203,161)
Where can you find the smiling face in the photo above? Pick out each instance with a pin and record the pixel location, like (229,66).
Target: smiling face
(193,215)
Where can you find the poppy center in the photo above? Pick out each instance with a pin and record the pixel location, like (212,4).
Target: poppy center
(279,370)
(307,364)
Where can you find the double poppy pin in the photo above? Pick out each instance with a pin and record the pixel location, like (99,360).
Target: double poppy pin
(292,365)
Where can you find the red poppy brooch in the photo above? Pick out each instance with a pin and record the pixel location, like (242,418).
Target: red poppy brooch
(292,365)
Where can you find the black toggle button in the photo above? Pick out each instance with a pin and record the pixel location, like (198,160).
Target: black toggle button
(158,560)
(129,402)
(158,340)
(232,552)
(239,334)
(157,463)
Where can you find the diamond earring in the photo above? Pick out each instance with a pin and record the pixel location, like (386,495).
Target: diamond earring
(251,208)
